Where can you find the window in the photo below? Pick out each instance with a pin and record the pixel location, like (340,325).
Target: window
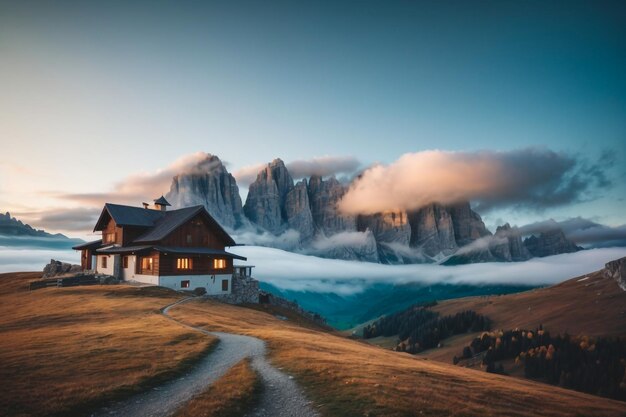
(184,263)
(146,264)
(224,285)
(219,263)
(184,284)
(189,240)
(103,262)
(125,262)
(109,237)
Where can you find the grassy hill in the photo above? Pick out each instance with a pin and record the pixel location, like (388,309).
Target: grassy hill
(66,349)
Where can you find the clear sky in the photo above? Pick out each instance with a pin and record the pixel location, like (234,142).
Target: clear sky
(92,92)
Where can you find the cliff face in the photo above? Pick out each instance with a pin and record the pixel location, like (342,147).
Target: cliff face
(211,185)
(324,196)
(468,225)
(275,204)
(265,204)
(298,211)
(432,230)
(551,242)
(513,249)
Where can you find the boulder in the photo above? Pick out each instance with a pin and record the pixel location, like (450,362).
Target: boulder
(56,268)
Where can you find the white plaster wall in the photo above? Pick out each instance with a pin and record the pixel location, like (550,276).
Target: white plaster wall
(129,273)
(146,279)
(212,283)
(109,269)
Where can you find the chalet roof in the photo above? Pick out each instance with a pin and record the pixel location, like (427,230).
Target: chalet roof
(174,219)
(167,249)
(159,224)
(89,245)
(198,251)
(123,249)
(162,201)
(128,216)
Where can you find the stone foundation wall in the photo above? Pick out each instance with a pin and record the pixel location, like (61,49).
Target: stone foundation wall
(617,271)
(243,290)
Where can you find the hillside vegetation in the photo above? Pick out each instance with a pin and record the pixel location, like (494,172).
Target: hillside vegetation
(348,377)
(65,349)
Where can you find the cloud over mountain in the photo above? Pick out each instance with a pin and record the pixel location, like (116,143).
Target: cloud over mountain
(533,178)
(323,166)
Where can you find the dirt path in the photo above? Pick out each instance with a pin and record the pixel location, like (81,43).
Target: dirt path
(281,396)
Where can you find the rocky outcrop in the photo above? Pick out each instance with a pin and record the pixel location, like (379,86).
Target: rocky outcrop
(468,225)
(323,197)
(211,185)
(617,270)
(388,227)
(508,245)
(57,268)
(265,204)
(551,242)
(298,211)
(432,230)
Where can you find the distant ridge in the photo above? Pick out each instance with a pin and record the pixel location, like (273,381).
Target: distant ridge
(15,233)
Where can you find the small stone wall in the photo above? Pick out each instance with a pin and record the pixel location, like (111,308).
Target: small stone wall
(243,290)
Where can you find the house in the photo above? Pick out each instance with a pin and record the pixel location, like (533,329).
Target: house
(179,249)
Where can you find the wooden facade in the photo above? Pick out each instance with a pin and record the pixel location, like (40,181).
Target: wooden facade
(195,233)
(182,243)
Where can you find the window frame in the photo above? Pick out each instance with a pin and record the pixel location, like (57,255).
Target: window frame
(225,285)
(185,283)
(147,260)
(220,263)
(125,262)
(184,264)
(104,262)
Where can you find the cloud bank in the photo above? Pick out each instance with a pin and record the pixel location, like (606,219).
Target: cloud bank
(12,260)
(143,186)
(535,178)
(302,168)
(582,231)
(296,272)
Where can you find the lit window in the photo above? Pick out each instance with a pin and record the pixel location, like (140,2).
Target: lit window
(184,263)
(146,264)
(219,263)
(109,237)
(104,261)
(184,284)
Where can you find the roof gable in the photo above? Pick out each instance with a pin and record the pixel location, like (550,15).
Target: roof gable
(160,223)
(127,216)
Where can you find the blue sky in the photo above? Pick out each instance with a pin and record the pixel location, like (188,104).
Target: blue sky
(93,92)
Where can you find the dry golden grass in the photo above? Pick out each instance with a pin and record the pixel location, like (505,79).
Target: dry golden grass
(350,378)
(595,306)
(64,350)
(232,395)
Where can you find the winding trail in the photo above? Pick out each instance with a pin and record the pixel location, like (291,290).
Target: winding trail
(281,396)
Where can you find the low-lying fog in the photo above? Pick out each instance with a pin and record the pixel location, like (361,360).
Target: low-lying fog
(295,272)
